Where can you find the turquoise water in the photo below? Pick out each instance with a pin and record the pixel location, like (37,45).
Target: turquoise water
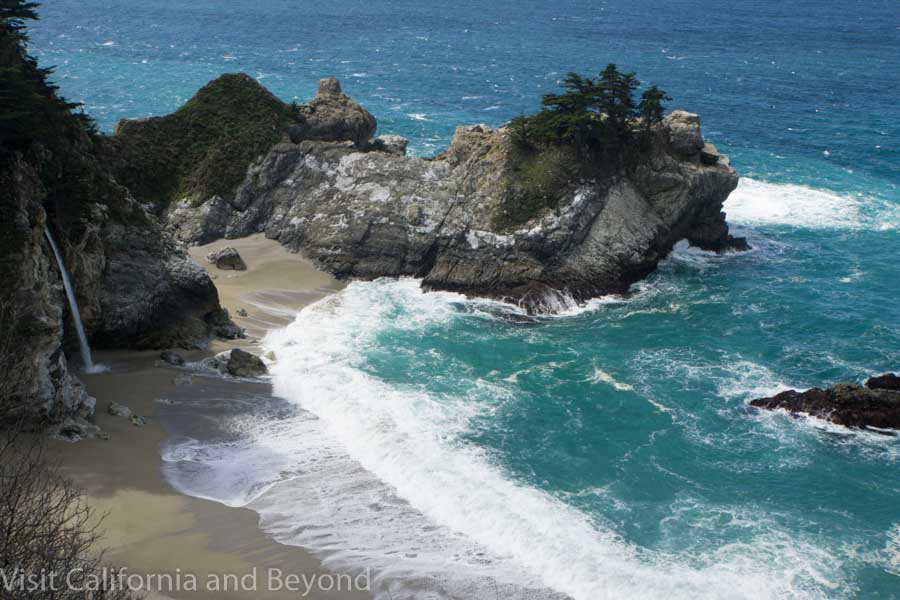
(605,453)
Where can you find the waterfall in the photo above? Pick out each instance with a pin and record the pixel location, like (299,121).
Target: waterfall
(73,305)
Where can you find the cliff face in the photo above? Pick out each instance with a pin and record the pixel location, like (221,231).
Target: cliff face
(366,210)
(136,287)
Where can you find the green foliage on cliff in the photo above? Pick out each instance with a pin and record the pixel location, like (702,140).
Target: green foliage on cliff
(202,149)
(587,131)
(31,111)
(47,150)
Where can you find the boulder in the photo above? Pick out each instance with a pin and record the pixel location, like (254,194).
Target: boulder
(173,358)
(847,404)
(332,116)
(118,410)
(888,381)
(227,259)
(244,364)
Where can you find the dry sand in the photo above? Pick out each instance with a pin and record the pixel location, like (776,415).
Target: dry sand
(150,528)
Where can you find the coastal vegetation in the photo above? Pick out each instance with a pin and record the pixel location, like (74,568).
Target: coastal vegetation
(204,148)
(30,108)
(589,130)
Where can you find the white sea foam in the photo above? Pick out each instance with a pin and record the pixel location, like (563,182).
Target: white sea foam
(892,551)
(380,475)
(411,441)
(760,203)
(602,376)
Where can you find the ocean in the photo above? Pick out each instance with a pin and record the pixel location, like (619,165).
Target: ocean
(608,452)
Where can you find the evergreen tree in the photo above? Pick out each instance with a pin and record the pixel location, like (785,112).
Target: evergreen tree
(651,106)
(30,108)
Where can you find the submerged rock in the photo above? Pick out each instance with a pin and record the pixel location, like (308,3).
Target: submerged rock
(847,404)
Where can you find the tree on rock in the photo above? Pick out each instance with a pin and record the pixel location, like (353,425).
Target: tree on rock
(651,106)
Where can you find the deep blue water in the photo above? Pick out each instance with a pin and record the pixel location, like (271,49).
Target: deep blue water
(610,452)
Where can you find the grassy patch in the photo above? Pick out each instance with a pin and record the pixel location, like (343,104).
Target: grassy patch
(202,149)
(535,183)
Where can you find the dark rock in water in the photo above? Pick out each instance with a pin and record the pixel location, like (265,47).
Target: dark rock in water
(244,364)
(227,258)
(173,358)
(888,381)
(847,404)
(241,312)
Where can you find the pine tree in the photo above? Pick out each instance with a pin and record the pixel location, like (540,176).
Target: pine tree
(30,108)
(651,106)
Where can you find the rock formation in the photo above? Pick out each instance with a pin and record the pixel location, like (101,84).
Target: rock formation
(362,208)
(877,404)
(237,363)
(228,259)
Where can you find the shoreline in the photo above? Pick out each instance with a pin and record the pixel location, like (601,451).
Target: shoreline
(209,549)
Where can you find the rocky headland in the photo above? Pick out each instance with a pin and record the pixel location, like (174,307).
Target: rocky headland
(235,160)
(359,207)
(873,405)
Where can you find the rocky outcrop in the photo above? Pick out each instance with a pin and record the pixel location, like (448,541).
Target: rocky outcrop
(135,286)
(331,116)
(368,210)
(35,381)
(875,405)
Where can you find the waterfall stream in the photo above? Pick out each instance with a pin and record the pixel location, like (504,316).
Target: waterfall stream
(73,305)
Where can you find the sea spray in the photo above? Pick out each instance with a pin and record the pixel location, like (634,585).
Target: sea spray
(73,305)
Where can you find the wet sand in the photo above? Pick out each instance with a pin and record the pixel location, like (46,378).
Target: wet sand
(151,529)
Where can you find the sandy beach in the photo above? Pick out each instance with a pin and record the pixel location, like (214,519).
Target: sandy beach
(151,529)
